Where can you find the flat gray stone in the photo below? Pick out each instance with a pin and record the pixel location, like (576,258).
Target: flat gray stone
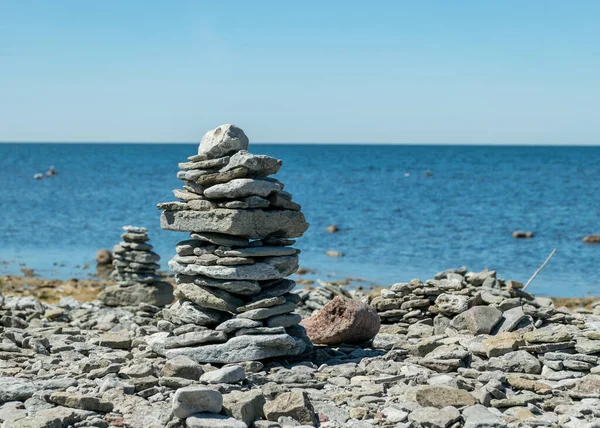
(228,374)
(260,330)
(193,175)
(186,196)
(452,304)
(244,406)
(201,205)
(266,251)
(220,239)
(222,140)
(511,319)
(253,224)
(267,268)
(156,294)
(285,320)
(182,367)
(173,206)
(134,237)
(206,164)
(257,165)
(138,256)
(16,389)
(235,261)
(55,417)
(211,420)
(553,333)
(478,416)
(195,338)
(264,303)
(135,229)
(478,320)
(295,404)
(516,361)
(431,417)
(190,313)
(203,260)
(587,346)
(11,412)
(262,313)
(187,247)
(245,288)
(234,324)
(241,188)
(279,289)
(243,348)
(587,387)
(278,201)
(208,298)
(193,399)
(208,180)
(131,278)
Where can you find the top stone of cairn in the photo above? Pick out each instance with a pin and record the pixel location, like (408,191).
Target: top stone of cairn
(222,140)
(234,300)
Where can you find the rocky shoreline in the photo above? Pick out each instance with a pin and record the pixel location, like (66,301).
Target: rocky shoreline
(242,346)
(84,364)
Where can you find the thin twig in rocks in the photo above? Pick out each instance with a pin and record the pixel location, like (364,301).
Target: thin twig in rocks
(539,269)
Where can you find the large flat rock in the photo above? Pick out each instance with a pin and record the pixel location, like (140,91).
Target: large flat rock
(268,268)
(252,224)
(243,348)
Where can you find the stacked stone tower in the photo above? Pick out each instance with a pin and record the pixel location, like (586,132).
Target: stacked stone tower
(234,299)
(136,273)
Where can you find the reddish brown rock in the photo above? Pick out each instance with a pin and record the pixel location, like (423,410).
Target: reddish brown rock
(592,239)
(342,321)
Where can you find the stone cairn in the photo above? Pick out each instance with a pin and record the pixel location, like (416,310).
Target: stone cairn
(136,273)
(516,354)
(234,303)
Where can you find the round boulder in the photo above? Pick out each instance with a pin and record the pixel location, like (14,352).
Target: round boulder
(223,140)
(342,321)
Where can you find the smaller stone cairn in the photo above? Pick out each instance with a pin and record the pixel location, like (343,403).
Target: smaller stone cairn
(444,299)
(136,273)
(234,301)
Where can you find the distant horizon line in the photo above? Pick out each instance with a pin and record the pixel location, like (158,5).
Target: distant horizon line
(352,143)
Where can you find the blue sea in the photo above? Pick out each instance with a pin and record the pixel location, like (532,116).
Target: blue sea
(396,221)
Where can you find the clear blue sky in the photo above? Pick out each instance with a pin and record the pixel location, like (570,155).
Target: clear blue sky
(490,72)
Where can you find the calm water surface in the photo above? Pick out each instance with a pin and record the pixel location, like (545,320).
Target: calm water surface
(395,223)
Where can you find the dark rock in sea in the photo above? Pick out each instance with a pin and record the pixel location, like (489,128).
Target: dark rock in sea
(520,234)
